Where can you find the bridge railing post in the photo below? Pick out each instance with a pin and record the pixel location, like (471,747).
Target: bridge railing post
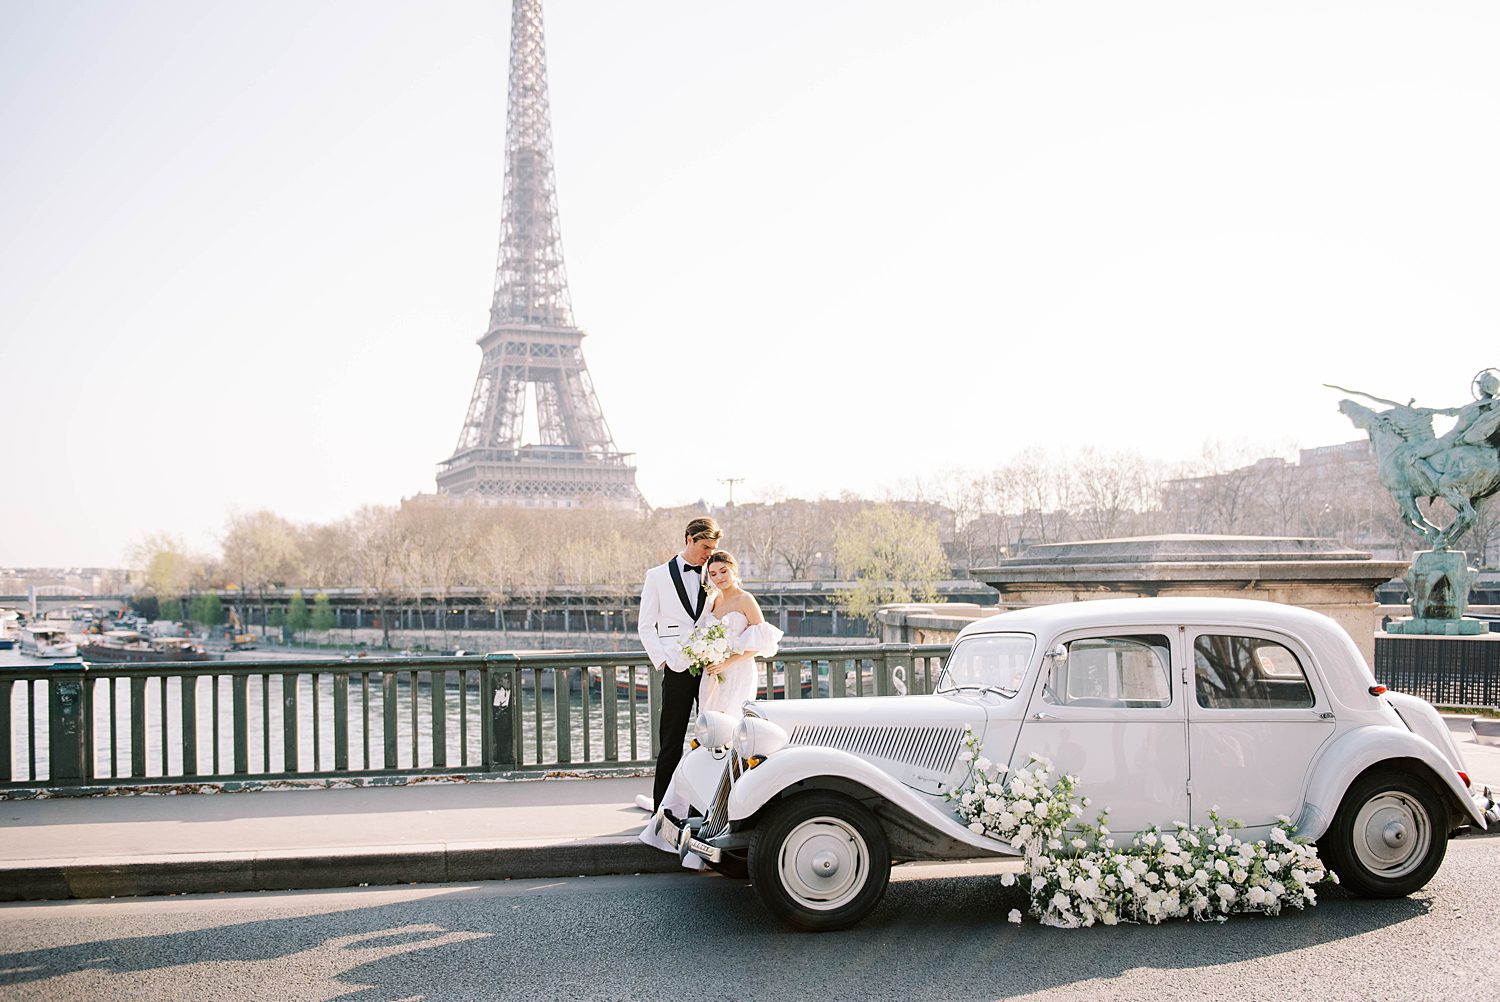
(70,718)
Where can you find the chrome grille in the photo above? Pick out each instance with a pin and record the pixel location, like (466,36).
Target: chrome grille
(718,812)
(933,748)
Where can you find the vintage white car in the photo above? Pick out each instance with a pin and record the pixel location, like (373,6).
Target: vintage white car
(1164,709)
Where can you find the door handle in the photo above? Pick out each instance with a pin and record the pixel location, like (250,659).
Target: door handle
(1042,715)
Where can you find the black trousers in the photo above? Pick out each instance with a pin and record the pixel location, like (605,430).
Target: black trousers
(679,691)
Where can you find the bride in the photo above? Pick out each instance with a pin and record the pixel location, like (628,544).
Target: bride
(727,685)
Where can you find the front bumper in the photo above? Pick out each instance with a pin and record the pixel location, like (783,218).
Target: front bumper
(685,838)
(1487,806)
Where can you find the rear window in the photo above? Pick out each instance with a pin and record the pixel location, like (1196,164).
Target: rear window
(1248,673)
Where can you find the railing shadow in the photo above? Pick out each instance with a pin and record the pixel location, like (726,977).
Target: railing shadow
(689,936)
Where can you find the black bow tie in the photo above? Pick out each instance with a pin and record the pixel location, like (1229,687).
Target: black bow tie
(690,567)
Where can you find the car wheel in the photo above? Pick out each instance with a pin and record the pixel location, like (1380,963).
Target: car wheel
(1389,836)
(732,864)
(820,861)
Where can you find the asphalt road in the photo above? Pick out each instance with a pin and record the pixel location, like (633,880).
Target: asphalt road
(939,934)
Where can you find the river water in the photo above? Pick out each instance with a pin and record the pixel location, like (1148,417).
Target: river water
(315,724)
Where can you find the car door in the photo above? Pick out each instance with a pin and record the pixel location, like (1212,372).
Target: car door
(1256,719)
(1107,708)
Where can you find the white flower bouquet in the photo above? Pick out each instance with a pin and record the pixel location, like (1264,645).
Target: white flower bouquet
(1075,876)
(706,647)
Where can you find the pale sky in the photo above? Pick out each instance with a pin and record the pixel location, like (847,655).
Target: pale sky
(246,247)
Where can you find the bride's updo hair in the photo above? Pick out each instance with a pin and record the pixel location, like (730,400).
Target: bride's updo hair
(723,557)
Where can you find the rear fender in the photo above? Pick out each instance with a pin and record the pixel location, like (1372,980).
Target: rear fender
(1349,756)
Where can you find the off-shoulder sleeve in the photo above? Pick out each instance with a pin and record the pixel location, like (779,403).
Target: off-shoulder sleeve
(761,638)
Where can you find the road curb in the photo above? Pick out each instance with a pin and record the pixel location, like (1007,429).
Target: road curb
(285,870)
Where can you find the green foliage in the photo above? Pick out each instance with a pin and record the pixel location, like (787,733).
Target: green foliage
(207,610)
(146,605)
(297,616)
(322,613)
(892,555)
(276,617)
(171,609)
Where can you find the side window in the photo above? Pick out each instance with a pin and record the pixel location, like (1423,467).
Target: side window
(1248,673)
(1129,671)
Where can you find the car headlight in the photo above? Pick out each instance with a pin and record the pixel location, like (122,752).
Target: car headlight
(713,729)
(757,738)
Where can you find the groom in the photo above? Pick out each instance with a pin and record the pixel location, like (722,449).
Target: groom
(672,604)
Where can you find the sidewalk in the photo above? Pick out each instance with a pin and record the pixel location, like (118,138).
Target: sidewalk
(91,847)
(284,839)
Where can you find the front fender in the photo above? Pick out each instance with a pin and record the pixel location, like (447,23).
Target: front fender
(1348,756)
(790,766)
(698,775)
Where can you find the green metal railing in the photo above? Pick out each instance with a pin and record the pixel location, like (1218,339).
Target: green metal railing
(74,726)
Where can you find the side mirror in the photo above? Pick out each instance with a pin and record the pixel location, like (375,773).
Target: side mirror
(1058,654)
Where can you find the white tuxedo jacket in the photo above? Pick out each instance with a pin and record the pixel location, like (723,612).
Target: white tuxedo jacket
(670,608)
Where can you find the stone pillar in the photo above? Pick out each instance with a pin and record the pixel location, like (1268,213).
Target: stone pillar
(1316,574)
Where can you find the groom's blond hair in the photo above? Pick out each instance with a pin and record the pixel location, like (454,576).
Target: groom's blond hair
(702,528)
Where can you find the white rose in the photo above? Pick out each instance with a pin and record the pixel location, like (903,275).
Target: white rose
(1007,879)
(1014,917)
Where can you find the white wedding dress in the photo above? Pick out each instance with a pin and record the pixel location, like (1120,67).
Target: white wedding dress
(728,696)
(727,692)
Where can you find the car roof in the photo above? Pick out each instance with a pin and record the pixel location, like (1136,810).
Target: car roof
(1325,636)
(1144,611)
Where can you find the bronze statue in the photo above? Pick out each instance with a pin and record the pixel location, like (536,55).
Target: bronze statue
(1461,466)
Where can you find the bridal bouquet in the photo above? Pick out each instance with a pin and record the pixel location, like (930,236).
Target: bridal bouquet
(706,648)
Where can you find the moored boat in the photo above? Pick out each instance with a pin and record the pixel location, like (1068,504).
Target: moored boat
(130,647)
(44,641)
(10,628)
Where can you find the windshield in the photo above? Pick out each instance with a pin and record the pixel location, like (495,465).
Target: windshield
(993,661)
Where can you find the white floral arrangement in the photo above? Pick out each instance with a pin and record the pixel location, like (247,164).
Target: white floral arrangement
(1076,876)
(706,647)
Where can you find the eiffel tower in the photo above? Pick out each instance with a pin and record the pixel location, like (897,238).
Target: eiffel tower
(532,344)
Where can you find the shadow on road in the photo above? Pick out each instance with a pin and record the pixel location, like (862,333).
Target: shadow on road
(686,936)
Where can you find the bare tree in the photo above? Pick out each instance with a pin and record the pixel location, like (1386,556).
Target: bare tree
(376,559)
(1111,488)
(806,533)
(755,534)
(326,553)
(438,538)
(260,553)
(964,497)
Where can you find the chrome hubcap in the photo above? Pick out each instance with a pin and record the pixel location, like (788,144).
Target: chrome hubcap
(1392,834)
(823,863)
